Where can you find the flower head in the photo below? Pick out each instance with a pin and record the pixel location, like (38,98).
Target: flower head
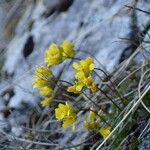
(66,113)
(76,88)
(86,66)
(53,55)
(39,82)
(42,75)
(69,120)
(89,82)
(43,72)
(46,102)
(56,54)
(46,91)
(83,76)
(68,49)
(92,122)
(105,132)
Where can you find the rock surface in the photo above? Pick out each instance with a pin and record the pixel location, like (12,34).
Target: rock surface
(94,26)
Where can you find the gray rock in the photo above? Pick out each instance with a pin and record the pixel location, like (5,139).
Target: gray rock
(94,26)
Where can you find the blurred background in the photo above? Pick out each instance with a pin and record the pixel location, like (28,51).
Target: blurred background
(110,30)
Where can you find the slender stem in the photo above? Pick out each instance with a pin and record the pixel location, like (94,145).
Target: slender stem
(109,98)
(101,117)
(91,100)
(114,88)
(74,58)
(102,71)
(65,82)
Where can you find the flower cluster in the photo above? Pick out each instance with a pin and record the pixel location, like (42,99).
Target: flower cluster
(43,83)
(56,54)
(93,123)
(83,76)
(66,113)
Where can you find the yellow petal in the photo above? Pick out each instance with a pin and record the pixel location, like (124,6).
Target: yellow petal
(91,116)
(61,112)
(39,82)
(105,132)
(46,102)
(69,121)
(79,87)
(43,72)
(72,89)
(53,55)
(46,91)
(68,49)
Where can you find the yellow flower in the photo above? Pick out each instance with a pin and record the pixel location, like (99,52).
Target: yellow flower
(66,113)
(39,82)
(91,116)
(80,76)
(61,112)
(43,72)
(42,75)
(46,102)
(86,66)
(53,55)
(89,82)
(76,88)
(83,72)
(69,120)
(72,89)
(92,122)
(83,77)
(68,49)
(105,132)
(46,91)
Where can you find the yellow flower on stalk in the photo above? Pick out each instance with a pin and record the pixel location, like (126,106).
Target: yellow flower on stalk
(46,91)
(46,102)
(39,82)
(68,49)
(83,76)
(66,113)
(43,72)
(53,55)
(42,75)
(86,66)
(80,76)
(92,122)
(76,88)
(72,89)
(89,82)
(69,120)
(105,132)
(61,112)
